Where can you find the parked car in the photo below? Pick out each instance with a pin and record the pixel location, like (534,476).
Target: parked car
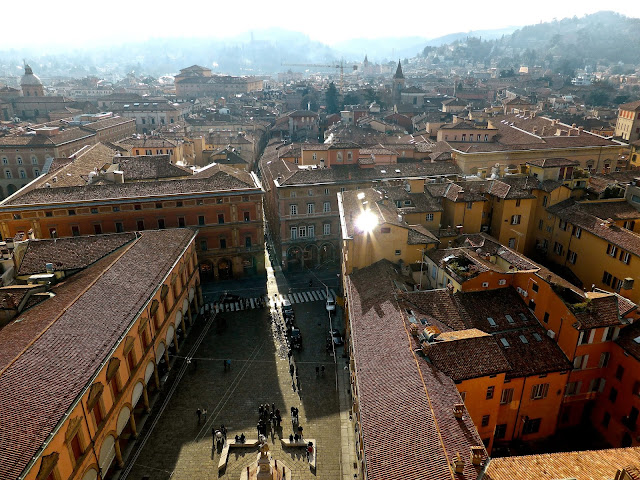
(331,304)
(286,308)
(336,338)
(296,338)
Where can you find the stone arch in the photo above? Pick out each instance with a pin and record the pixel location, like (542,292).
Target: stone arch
(123,419)
(294,257)
(225,268)
(148,373)
(137,393)
(91,474)
(326,253)
(107,453)
(206,270)
(11,189)
(192,293)
(170,333)
(178,321)
(160,351)
(185,305)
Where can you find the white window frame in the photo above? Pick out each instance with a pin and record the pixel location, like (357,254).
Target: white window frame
(302,232)
(429,217)
(311,208)
(326,207)
(326,229)
(293,209)
(294,233)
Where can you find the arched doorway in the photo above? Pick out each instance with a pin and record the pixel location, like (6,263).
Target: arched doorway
(294,258)
(206,270)
(107,455)
(90,474)
(173,349)
(224,269)
(311,255)
(11,189)
(326,253)
(163,368)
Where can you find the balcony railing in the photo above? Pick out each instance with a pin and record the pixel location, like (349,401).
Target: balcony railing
(310,215)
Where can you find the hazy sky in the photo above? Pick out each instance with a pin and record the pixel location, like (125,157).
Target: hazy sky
(77,23)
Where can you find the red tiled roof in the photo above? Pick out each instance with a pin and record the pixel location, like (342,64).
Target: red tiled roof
(406,406)
(61,343)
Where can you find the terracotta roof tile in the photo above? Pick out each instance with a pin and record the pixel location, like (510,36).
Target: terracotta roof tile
(584,465)
(59,365)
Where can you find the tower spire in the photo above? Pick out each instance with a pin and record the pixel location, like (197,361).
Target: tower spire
(399,73)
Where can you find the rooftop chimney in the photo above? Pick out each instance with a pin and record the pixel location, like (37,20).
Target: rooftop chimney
(477,455)
(458,410)
(458,463)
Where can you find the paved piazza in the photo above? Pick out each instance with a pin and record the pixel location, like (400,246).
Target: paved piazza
(178,448)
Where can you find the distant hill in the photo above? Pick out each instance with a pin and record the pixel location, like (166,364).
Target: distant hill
(562,45)
(482,34)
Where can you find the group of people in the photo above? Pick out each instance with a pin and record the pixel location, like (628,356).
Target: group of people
(220,435)
(268,416)
(201,413)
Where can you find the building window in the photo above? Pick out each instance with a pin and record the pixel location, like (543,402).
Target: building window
(326,191)
(339,157)
(19,160)
(247,217)
(469,205)
(203,245)
(429,217)
(558,248)
(293,209)
(512,242)
(221,218)
(161,225)
(5,161)
(604,359)
(34,160)
(619,372)
(294,233)
(515,219)
(580,362)
(326,207)
(247,242)
(539,391)
(517,202)
(606,418)
(310,192)
(36,172)
(179,204)
(7,173)
(629,224)
(76,448)
(398,252)
(292,194)
(531,426)
(625,257)
(302,232)
(94,210)
(181,222)
(223,243)
(137,206)
(490,391)
(545,200)
(577,232)
(119,227)
(613,395)
(506,396)
(311,208)
(485,420)
(201,220)
(501,431)
(75,230)
(97,228)
(572,257)
(326,229)
(23,174)
(140,225)
(606,278)
(611,250)
(116,209)
(98,416)
(572,388)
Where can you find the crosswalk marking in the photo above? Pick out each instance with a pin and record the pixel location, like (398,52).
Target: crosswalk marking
(274,302)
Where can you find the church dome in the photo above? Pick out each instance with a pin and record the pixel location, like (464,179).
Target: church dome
(29,79)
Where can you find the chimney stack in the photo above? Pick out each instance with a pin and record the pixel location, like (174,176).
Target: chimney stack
(477,455)
(458,463)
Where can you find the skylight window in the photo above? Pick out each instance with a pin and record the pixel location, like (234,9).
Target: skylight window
(492,322)
(539,338)
(509,318)
(523,339)
(523,317)
(505,343)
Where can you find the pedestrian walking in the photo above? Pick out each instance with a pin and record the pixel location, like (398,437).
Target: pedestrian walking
(317,370)
(273,407)
(223,429)
(204,415)
(260,409)
(291,369)
(199,414)
(259,428)
(322,370)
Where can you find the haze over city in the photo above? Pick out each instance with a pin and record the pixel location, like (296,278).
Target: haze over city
(339,241)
